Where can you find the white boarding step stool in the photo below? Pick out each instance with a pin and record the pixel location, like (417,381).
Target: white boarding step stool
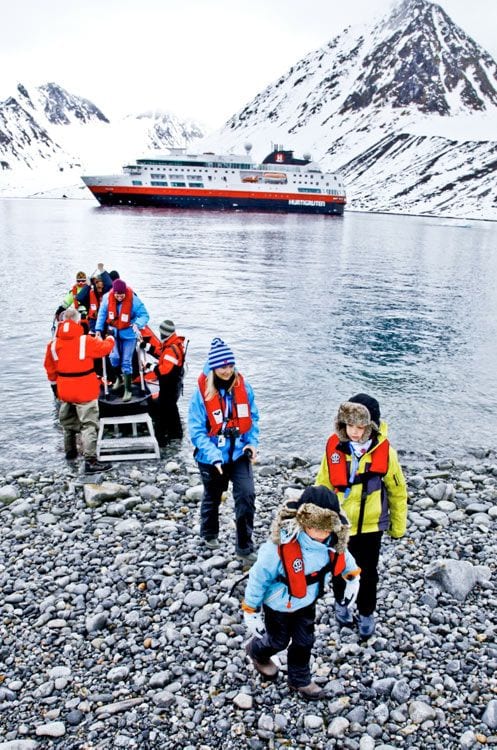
(133,446)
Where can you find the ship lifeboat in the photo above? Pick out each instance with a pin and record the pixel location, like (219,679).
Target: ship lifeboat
(275,177)
(250,178)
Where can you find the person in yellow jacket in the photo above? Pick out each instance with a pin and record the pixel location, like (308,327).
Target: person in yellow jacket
(360,465)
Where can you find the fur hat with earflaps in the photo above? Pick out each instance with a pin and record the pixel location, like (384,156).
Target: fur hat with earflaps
(361,411)
(316,508)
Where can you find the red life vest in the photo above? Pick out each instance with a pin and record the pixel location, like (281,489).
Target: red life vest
(215,408)
(94,304)
(338,465)
(172,354)
(123,319)
(293,564)
(75,291)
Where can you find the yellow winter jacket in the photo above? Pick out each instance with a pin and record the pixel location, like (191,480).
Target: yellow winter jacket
(385,506)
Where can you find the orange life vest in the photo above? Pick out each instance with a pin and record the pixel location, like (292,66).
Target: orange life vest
(172,355)
(70,359)
(240,418)
(75,291)
(123,319)
(152,339)
(295,577)
(338,465)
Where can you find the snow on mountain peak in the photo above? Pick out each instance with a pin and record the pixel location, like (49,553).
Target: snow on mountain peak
(381,95)
(62,108)
(46,133)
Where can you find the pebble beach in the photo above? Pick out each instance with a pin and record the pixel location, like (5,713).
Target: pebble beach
(119,630)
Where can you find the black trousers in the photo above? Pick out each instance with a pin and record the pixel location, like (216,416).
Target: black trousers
(168,422)
(241,475)
(281,628)
(366,550)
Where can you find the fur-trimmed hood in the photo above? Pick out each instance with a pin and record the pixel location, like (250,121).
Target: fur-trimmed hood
(324,514)
(351,413)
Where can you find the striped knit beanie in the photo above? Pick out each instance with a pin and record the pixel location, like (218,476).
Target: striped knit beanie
(166,328)
(220,355)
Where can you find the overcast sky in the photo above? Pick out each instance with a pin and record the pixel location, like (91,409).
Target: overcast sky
(196,58)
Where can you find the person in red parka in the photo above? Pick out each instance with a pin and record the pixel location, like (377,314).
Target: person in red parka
(70,365)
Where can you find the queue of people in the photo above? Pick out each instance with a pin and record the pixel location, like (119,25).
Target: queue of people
(332,532)
(109,311)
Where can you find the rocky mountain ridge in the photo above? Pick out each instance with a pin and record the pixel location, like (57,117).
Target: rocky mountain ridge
(414,80)
(405,110)
(48,135)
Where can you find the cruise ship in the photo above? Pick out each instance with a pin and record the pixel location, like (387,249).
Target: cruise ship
(281,182)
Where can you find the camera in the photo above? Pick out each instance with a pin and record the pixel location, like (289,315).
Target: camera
(231,432)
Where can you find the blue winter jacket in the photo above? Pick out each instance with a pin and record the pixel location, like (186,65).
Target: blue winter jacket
(139,316)
(263,586)
(207,450)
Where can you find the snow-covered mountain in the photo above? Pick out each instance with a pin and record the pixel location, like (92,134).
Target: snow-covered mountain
(406,109)
(49,137)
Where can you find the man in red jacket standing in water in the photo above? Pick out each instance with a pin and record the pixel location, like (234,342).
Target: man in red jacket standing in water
(70,366)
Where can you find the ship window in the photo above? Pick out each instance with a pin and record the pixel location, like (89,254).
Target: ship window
(136,182)
(176,177)
(309,190)
(178,184)
(196,184)
(159,183)
(156,176)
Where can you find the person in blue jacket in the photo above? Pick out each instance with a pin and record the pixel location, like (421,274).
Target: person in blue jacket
(124,314)
(308,545)
(223,422)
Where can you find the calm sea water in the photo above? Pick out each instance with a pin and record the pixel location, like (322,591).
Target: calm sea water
(315,309)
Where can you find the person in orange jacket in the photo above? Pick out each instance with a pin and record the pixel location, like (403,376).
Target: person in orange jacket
(169,371)
(70,366)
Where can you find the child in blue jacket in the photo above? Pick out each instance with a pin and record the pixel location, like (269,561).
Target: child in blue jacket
(308,544)
(223,421)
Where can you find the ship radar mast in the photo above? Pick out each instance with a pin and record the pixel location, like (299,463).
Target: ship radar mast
(248,148)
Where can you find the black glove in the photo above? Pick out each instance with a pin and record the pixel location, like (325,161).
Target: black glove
(143,344)
(59,310)
(53,386)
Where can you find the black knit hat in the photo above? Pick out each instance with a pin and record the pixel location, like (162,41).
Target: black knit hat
(371,405)
(321,496)
(317,508)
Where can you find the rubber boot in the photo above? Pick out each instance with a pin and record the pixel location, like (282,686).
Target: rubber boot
(70,447)
(117,383)
(127,395)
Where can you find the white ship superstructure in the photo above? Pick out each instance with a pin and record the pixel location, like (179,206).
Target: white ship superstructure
(180,180)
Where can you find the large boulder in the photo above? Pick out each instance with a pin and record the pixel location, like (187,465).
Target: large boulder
(455,577)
